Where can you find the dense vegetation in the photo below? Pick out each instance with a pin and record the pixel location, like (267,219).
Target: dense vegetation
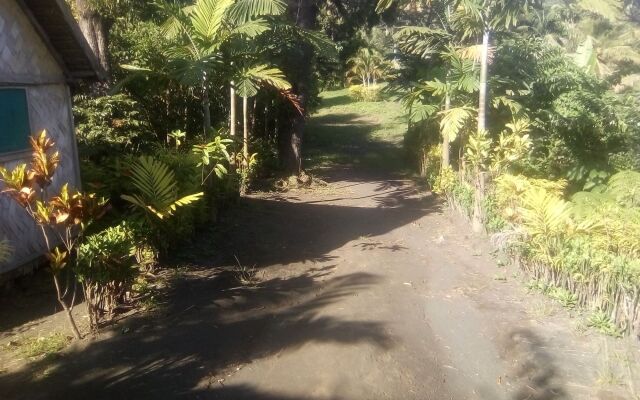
(521,113)
(551,166)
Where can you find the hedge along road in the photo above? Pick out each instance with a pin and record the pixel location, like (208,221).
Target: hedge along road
(363,288)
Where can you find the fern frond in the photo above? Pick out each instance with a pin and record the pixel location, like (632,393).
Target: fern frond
(156,188)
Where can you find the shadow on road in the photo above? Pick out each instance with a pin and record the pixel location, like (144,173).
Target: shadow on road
(209,326)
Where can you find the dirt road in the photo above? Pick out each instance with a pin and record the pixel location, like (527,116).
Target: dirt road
(366,288)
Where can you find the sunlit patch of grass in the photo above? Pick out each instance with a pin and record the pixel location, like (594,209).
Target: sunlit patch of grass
(40,346)
(344,131)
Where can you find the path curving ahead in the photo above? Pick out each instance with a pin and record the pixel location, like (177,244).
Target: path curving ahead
(367,288)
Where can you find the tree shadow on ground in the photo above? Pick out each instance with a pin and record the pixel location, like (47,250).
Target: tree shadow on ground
(28,299)
(535,372)
(336,101)
(210,326)
(204,332)
(263,232)
(348,139)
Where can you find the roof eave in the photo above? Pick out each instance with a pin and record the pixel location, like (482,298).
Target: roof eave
(96,72)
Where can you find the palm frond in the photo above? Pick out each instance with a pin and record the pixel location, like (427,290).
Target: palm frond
(421,112)
(454,119)
(383,5)
(207,17)
(474,53)
(251,29)
(249,80)
(244,11)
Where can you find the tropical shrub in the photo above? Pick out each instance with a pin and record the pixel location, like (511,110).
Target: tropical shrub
(106,268)
(365,93)
(156,200)
(61,216)
(588,246)
(108,124)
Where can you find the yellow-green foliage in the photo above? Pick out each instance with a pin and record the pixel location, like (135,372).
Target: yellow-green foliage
(431,162)
(615,214)
(589,245)
(42,345)
(365,93)
(445,182)
(511,190)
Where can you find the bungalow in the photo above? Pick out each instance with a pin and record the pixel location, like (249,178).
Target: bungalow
(42,53)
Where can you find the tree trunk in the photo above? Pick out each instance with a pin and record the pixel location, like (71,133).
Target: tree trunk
(445,139)
(484,72)
(232,110)
(67,309)
(480,176)
(95,29)
(303,12)
(245,136)
(206,111)
(254,112)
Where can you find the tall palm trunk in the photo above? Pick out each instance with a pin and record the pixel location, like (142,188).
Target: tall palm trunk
(245,127)
(480,176)
(484,72)
(206,110)
(232,110)
(445,139)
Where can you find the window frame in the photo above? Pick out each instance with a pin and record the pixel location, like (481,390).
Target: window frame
(19,154)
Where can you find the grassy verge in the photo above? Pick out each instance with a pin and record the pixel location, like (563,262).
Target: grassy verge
(344,131)
(40,346)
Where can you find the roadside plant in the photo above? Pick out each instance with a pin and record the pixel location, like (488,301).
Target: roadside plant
(212,157)
(106,268)
(61,217)
(156,199)
(246,169)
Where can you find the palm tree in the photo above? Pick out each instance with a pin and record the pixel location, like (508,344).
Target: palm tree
(201,32)
(369,66)
(249,80)
(460,79)
(603,39)
(441,45)
(475,18)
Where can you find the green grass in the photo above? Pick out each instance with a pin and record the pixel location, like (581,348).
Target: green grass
(41,346)
(346,132)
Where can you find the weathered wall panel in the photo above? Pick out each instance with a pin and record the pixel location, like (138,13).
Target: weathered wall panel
(25,61)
